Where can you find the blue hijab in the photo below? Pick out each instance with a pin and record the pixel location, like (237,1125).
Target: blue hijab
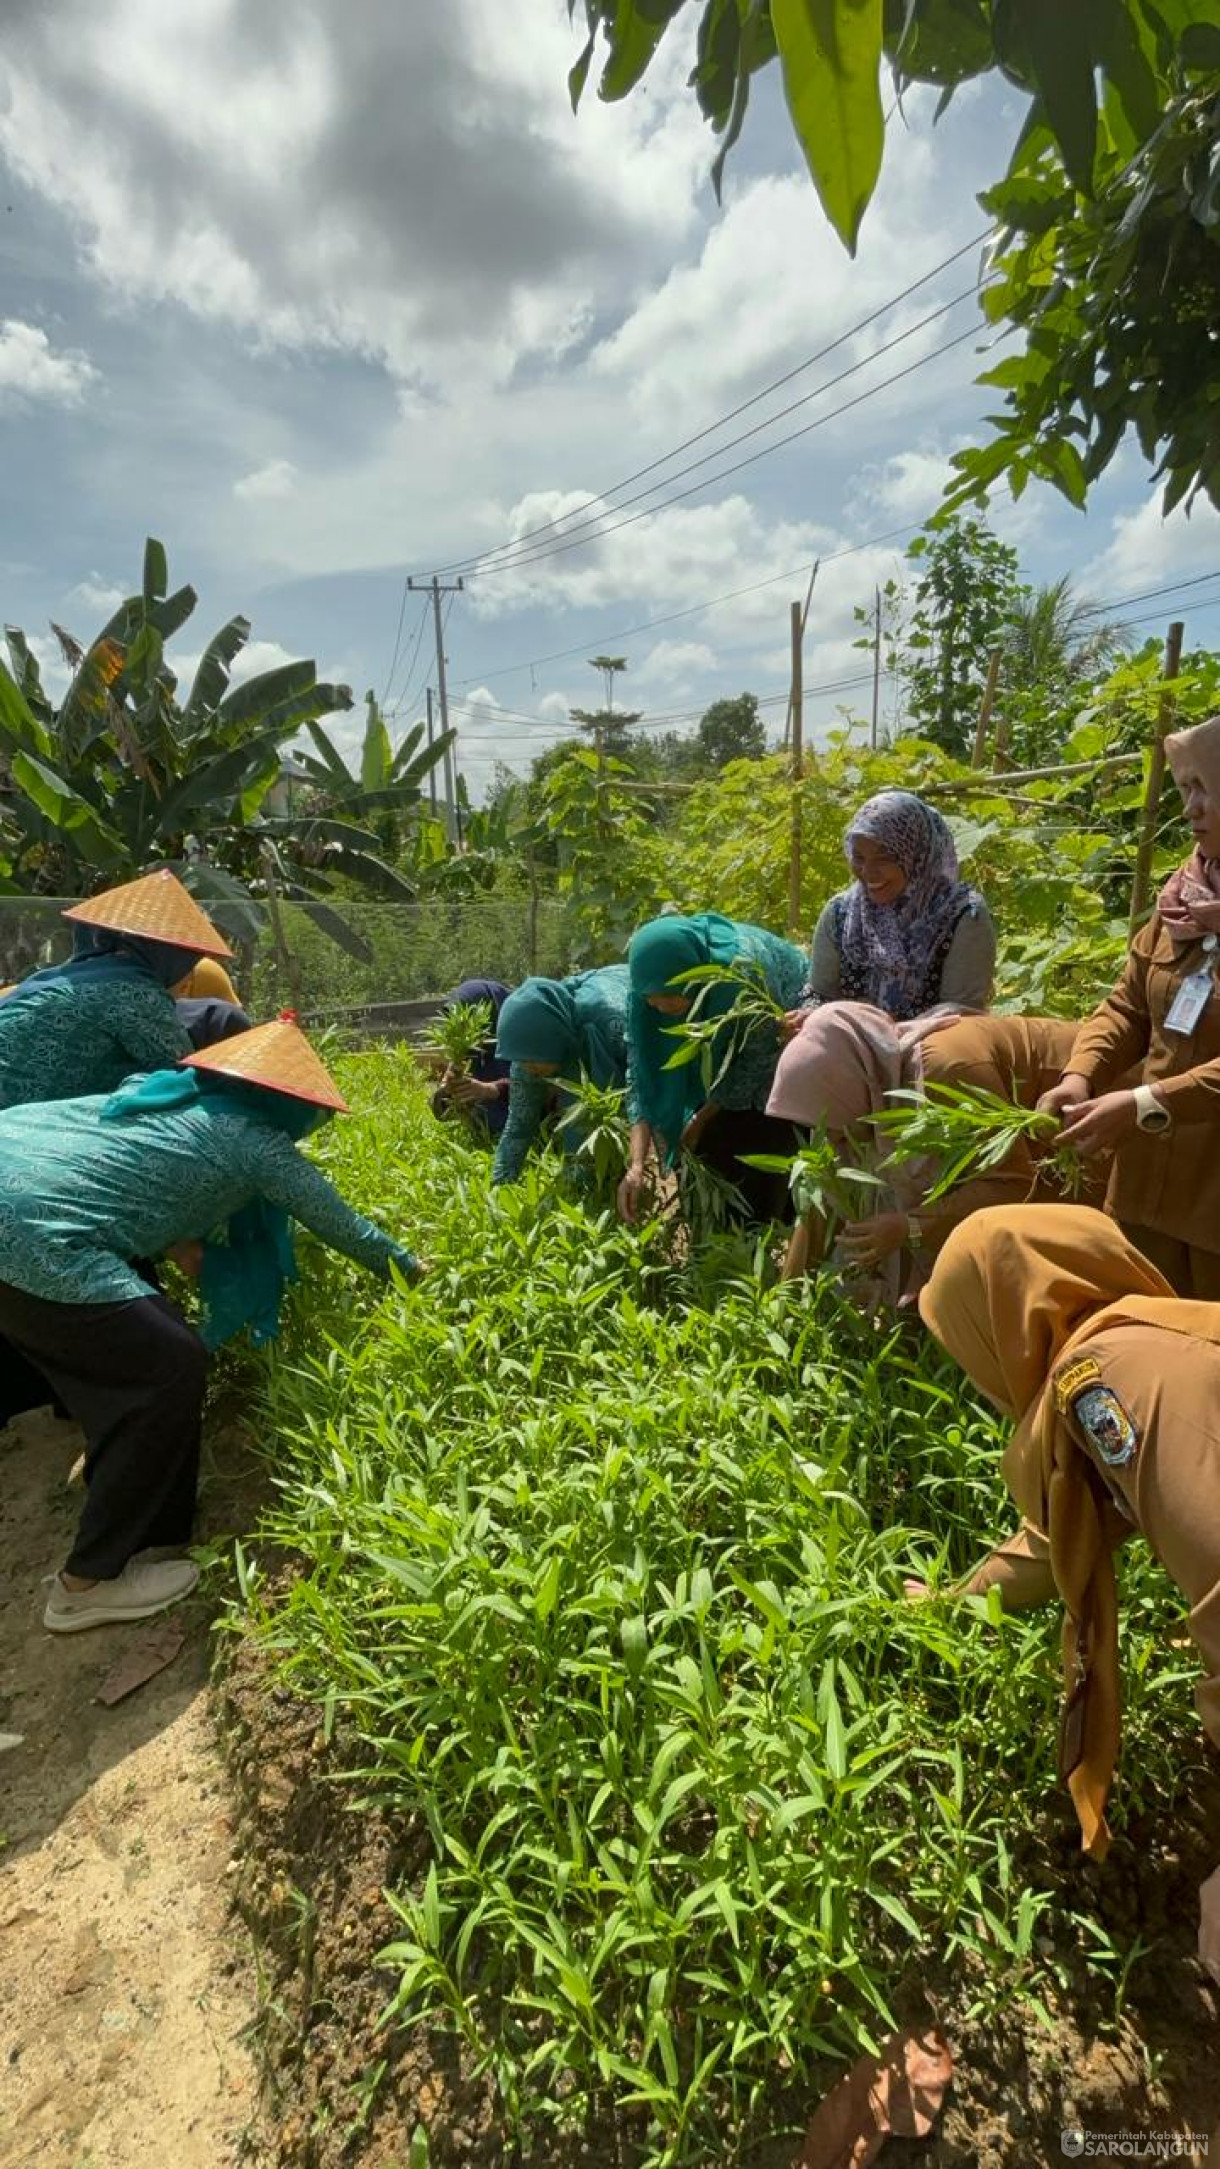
(100,955)
(246,1270)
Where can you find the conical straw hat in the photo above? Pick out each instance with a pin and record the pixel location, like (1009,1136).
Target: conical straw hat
(276,1055)
(157,908)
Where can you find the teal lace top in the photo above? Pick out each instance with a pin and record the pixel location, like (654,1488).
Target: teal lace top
(63,1042)
(602,1004)
(80,1197)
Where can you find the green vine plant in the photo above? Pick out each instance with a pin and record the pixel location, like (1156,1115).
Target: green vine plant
(702,1038)
(971,1132)
(597,1124)
(459,1034)
(820,1185)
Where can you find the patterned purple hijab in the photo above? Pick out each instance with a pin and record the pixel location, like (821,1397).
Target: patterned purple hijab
(891,954)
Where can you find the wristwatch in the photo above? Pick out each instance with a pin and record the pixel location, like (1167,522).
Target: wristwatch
(1151,1114)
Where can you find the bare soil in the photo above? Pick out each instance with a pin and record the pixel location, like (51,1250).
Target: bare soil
(125,1992)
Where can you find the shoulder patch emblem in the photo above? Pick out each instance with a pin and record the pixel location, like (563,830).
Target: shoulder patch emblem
(1106,1425)
(1073,1379)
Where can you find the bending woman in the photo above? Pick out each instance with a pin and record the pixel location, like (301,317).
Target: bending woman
(726,1117)
(86,1184)
(480,1093)
(552,1028)
(840,1070)
(81,1027)
(1164,1015)
(908,934)
(1115,1388)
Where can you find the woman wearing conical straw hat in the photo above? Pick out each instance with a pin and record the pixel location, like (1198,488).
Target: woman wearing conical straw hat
(1115,1387)
(81,1027)
(87,1184)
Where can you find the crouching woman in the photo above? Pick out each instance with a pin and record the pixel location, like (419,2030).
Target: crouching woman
(1115,1388)
(88,1184)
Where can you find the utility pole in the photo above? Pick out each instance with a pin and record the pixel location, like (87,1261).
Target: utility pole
(437,589)
(876,726)
(431,770)
(797,708)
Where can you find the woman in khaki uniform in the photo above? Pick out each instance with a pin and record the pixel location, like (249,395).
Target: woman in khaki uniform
(839,1070)
(1115,1387)
(1165,1015)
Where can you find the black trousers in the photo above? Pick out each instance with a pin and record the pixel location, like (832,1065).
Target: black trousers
(206,1020)
(727,1135)
(133,1376)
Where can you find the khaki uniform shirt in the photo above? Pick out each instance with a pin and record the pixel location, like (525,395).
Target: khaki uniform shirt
(1168,1180)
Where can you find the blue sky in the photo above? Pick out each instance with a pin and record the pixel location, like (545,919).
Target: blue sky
(360,297)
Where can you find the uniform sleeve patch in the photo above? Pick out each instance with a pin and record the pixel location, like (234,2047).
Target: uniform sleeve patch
(1073,1379)
(1106,1425)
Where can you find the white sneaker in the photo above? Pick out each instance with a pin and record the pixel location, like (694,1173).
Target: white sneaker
(143,1588)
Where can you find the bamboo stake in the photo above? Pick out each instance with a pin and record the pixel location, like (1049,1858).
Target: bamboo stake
(974,784)
(813,580)
(987,704)
(798,764)
(1156,777)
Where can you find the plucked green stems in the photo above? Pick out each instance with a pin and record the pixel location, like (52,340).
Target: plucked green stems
(700,1037)
(460,1033)
(970,1132)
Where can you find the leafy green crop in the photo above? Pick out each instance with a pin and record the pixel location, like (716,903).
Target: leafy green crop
(970,1132)
(459,1032)
(601,1548)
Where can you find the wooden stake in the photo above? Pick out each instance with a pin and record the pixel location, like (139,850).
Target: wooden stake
(1156,777)
(797,704)
(875,730)
(988,703)
(813,581)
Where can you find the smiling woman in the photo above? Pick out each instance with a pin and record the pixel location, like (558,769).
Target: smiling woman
(908,934)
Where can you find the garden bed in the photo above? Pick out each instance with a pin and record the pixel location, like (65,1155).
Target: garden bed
(575,1669)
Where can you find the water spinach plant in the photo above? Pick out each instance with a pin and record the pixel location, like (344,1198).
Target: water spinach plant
(964,1131)
(600,1553)
(459,1033)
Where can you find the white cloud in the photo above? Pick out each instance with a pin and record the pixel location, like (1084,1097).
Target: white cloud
(1146,550)
(96,595)
(277,479)
(908,486)
(674,666)
(401,182)
(31,369)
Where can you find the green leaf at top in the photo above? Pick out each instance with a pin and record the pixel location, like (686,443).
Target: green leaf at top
(1057,36)
(830,51)
(156,571)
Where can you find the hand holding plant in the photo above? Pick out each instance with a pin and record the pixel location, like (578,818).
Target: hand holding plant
(1098,1125)
(867,1243)
(460,1033)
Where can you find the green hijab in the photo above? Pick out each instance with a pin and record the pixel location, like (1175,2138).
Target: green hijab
(658,954)
(565,1021)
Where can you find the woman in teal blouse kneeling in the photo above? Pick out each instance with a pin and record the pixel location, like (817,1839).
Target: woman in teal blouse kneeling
(88,1184)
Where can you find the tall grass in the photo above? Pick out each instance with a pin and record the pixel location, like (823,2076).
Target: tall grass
(602,1570)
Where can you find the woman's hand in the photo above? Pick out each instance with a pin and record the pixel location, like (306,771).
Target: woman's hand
(1209,1925)
(870,1242)
(1097,1125)
(791,1022)
(1071,1091)
(187,1256)
(630,1194)
(472,1092)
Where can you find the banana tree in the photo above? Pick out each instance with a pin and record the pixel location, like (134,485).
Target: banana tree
(126,773)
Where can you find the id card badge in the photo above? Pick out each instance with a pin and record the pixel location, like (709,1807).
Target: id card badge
(1189,1002)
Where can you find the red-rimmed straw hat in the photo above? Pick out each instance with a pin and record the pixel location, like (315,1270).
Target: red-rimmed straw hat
(155,908)
(275,1055)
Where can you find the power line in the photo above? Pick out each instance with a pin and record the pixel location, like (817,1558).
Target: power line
(410,670)
(777,384)
(693,488)
(512,553)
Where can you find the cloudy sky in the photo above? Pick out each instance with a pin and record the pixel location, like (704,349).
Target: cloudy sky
(323,297)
